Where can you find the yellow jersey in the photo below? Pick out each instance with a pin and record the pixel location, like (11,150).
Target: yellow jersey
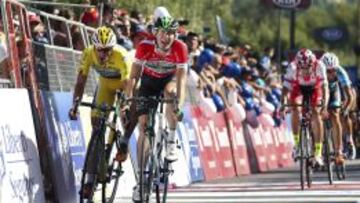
(117,66)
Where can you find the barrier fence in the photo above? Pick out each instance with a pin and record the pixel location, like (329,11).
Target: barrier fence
(213,146)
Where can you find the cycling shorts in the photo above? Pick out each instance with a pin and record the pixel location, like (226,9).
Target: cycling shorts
(106,93)
(335,95)
(298,91)
(152,87)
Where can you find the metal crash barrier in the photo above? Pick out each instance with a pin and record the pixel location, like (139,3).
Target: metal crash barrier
(57,65)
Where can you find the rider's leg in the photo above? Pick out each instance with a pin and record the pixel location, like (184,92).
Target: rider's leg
(337,133)
(348,125)
(171,151)
(295,115)
(318,129)
(102,96)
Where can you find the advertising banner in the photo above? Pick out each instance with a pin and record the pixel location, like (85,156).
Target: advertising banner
(191,147)
(67,144)
(20,173)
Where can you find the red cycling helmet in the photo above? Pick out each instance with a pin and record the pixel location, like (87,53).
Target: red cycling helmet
(305,58)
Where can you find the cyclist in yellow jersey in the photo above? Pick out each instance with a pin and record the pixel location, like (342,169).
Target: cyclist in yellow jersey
(112,64)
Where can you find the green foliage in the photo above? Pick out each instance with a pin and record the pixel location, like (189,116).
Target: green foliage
(249,21)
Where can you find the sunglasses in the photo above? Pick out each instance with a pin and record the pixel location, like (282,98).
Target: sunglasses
(331,71)
(104,50)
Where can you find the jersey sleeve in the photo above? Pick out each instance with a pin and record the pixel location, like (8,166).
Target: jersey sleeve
(141,53)
(85,62)
(125,71)
(343,77)
(182,55)
(289,77)
(321,73)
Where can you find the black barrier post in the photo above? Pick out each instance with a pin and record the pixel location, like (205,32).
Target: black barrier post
(292,28)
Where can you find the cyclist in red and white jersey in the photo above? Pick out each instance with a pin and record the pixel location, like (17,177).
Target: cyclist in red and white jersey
(306,73)
(161,64)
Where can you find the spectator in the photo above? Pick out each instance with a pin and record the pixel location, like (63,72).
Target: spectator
(193,44)
(77,41)
(37,28)
(265,61)
(122,30)
(90,17)
(108,14)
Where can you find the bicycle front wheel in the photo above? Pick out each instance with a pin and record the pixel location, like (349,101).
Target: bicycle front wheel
(146,173)
(328,154)
(302,157)
(113,173)
(164,182)
(90,169)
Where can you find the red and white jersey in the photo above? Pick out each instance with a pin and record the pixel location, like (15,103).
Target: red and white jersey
(316,77)
(161,65)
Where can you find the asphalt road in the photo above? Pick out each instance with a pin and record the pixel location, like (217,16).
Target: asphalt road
(281,185)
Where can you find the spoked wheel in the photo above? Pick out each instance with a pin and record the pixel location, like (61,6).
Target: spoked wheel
(90,169)
(309,172)
(110,185)
(164,182)
(302,158)
(328,155)
(146,175)
(340,171)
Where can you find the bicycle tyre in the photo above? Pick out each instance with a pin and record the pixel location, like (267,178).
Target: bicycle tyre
(328,151)
(92,149)
(164,179)
(112,181)
(309,165)
(302,158)
(340,171)
(146,176)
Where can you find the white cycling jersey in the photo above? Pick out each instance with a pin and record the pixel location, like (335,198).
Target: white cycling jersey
(316,76)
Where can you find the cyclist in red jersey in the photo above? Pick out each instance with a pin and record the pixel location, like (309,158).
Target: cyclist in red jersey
(160,64)
(307,73)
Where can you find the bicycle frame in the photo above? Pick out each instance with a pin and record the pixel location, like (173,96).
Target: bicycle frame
(98,155)
(151,170)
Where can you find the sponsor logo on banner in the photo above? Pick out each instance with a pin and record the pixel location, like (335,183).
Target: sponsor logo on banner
(288,4)
(68,145)
(331,35)
(20,174)
(192,153)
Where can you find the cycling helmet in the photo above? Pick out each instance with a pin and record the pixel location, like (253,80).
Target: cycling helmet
(104,37)
(305,58)
(166,23)
(330,60)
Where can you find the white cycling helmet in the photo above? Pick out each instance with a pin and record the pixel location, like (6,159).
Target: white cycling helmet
(330,60)
(104,37)
(305,58)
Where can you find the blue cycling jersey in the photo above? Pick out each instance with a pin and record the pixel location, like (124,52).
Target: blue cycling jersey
(342,77)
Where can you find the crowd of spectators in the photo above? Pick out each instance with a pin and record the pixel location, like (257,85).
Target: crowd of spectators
(220,76)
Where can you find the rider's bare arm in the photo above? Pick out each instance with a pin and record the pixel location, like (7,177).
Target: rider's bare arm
(180,84)
(135,74)
(79,87)
(349,97)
